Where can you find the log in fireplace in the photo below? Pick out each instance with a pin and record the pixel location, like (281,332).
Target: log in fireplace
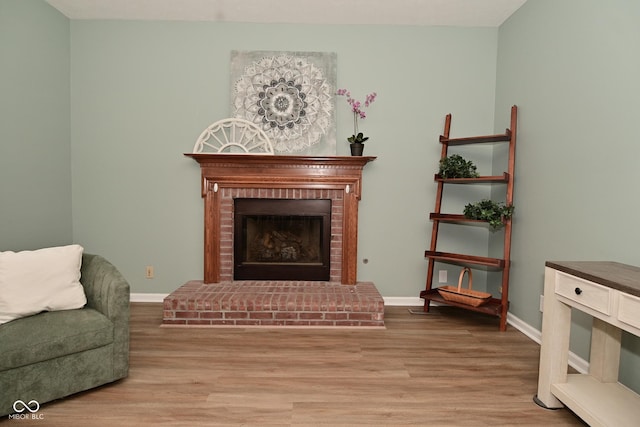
(282,239)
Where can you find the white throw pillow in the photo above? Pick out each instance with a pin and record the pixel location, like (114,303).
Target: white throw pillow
(42,280)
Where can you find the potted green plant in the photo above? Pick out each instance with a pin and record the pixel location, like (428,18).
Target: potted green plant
(357,140)
(455,166)
(488,210)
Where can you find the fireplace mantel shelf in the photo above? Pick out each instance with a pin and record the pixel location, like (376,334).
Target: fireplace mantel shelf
(267,172)
(305,165)
(277,160)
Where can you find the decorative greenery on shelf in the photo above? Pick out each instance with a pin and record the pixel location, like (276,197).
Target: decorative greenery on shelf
(488,210)
(455,166)
(357,139)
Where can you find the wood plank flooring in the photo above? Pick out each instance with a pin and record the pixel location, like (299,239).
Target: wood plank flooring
(447,368)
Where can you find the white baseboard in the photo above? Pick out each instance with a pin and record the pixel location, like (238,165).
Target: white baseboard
(578,363)
(535,335)
(404,301)
(575,361)
(523,327)
(147,297)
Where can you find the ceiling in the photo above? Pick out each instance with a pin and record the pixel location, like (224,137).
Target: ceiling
(468,13)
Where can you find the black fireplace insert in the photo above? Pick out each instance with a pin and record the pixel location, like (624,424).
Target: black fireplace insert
(282,239)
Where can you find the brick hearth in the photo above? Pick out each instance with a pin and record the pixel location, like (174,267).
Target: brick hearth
(264,303)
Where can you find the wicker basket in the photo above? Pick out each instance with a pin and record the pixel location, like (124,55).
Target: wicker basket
(464,296)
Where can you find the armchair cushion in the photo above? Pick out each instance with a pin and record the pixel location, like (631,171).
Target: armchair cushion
(62,336)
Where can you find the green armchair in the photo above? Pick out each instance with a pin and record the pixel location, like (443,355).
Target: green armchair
(51,355)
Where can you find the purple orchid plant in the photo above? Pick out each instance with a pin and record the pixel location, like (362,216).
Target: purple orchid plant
(358,112)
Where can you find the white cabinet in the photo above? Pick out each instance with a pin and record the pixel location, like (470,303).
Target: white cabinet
(610,293)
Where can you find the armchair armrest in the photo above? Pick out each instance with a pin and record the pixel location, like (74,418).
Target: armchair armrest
(107,291)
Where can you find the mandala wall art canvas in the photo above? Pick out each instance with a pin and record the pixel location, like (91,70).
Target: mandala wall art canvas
(289,95)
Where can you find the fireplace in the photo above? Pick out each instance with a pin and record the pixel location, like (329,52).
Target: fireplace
(334,180)
(310,206)
(282,239)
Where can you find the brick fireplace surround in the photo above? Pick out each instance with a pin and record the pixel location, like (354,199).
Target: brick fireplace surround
(219,300)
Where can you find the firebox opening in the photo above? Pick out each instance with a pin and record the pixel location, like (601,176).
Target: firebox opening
(276,239)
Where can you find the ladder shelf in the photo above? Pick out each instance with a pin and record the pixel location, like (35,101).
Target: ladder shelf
(494,306)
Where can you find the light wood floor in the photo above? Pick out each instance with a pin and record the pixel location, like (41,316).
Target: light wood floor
(447,368)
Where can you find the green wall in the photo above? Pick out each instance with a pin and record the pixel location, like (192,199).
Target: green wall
(35,158)
(143,91)
(573,68)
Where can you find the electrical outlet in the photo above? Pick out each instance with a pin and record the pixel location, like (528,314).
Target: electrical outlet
(541,303)
(149,272)
(442,276)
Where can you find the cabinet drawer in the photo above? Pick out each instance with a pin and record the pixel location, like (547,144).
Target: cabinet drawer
(587,293)
(629,310)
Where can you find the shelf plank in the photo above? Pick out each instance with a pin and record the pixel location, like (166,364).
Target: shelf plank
(453,218)
(492,307)
(502,137)
(597,403)
(466,259)
(456,218)
(479,180)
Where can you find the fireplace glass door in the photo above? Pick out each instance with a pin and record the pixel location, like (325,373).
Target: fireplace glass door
(282,239)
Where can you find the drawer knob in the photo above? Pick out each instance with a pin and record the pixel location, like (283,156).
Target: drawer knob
(578,291)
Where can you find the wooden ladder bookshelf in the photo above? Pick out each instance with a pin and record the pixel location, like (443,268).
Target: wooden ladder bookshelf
(495,306)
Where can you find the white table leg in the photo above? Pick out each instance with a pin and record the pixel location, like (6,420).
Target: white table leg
(605,351)
(554,351)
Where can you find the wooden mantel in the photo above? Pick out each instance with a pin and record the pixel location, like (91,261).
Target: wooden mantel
(220,171)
